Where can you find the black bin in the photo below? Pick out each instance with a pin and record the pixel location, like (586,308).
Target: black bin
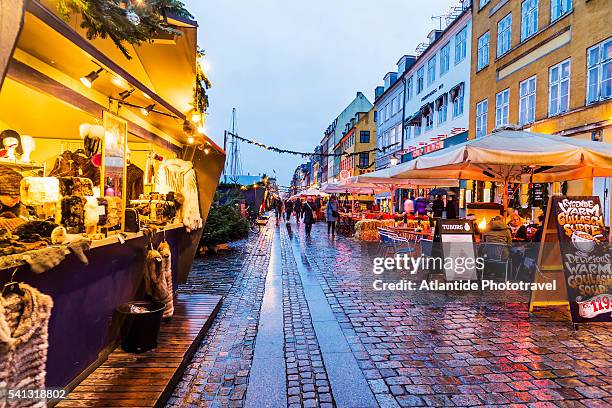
(139,330)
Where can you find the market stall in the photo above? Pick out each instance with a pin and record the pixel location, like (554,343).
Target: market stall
(105,186)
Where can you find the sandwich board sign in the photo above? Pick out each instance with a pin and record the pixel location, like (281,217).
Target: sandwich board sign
(457,241)
(583,256)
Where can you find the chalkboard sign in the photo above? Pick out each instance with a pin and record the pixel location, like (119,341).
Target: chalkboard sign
(586,257)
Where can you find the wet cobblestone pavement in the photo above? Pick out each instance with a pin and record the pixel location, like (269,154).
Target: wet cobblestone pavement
(422,349)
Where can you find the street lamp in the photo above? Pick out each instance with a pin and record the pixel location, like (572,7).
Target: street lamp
(394,160)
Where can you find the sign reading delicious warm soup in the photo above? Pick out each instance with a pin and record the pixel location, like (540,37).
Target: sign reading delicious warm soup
(586,257)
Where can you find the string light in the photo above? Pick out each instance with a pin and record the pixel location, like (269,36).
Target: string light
(190,140)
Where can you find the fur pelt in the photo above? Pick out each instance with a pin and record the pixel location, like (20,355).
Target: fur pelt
(75,186)
(178,176)
(166,267)
(73,214)
(24,325)
(155,282)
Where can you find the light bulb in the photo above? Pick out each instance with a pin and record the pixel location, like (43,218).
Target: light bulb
(201,129)
(195,117)
(190,140)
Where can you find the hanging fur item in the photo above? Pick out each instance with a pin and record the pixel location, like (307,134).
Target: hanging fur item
(24,325)
(166,266)
(156,285)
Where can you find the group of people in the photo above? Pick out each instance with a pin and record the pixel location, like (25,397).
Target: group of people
(308,211)
(419,206)
(513,231)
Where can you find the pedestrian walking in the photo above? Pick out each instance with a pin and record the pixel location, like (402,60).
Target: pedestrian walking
(420,206)
(297,207)
(438,207)
(332,214)
(409,206)
(308,214)
(278,208)
(288,210)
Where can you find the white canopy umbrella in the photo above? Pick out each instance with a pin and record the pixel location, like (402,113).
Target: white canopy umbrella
(514,156)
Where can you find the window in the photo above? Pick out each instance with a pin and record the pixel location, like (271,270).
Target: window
(502,105)
(559,88)
(599,72)
(559,8)
(420,84)
(481,118)
(445,59)
(483,50)
(504,35)
(417,130)
(399,132)
(527,96)
(364,136)
(382,115)
(529,18)
(393,136)
(429,121)
(457,99)
(442,107)
(483,3)
(388,111)
(409,89)
(400,100)
(375,116)
(364,159)
(394,106)
(431,70)
(460,45)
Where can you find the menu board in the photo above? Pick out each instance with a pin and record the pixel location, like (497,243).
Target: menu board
(586,257)
(538,193)
(457,238)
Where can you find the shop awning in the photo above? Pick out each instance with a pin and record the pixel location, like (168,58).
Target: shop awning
(415,119)
(510,155)
(456,91)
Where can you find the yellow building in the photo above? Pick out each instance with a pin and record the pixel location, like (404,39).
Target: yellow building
(360,137)
(546,66)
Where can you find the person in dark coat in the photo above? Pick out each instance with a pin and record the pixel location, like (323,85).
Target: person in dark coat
(288,210)
(452,208)
(438,207)
(298,209)
(420,206)
(308,210)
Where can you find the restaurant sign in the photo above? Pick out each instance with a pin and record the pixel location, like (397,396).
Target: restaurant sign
(432,147)
(586,257)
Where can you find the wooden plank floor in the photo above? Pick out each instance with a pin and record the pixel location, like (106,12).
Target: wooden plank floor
(147,379)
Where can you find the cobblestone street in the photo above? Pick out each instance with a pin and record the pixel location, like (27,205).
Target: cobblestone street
(297,328)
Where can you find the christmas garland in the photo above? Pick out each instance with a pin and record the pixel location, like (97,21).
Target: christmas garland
(124,21)
(309,154)
(202,84)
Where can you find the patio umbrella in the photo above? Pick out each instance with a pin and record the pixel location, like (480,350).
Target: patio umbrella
(514,156)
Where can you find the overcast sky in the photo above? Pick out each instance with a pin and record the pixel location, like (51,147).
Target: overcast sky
(289,67)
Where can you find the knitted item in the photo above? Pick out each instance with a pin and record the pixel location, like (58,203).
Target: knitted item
(9,181)
(45,259)
(24,324)
(166,267)
(156,284)
(39,190)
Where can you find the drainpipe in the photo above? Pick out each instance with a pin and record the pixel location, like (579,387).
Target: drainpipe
(403,116)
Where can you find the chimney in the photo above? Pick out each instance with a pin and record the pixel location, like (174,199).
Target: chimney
(379,90)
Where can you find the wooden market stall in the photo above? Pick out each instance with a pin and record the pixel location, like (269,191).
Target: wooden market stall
(102,163)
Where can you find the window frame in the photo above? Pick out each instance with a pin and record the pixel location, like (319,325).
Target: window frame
(409,88)
(559,84)
(458,103)
(526,97)
(367,159)
(445,59)
(420,85)
(525,34)
(599,68)
(482,115)
(461,47)
(500,108)
(569,4)
(483,46)
(431,70)
(500,33)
